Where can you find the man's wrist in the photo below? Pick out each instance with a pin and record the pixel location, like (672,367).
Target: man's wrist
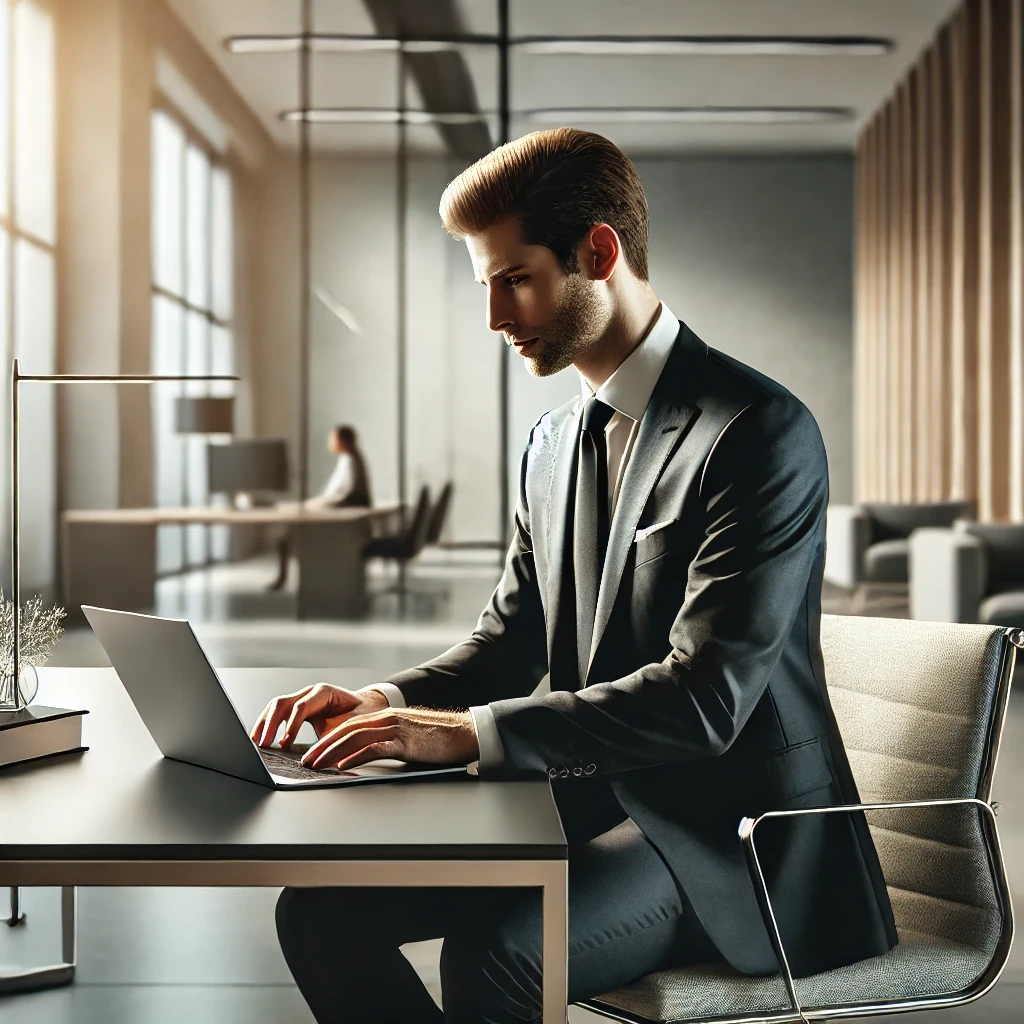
(376,698)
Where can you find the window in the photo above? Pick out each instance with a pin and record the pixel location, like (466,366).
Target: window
(28,236)
(192,293)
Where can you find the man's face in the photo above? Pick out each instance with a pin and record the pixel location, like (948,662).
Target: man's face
(550,317)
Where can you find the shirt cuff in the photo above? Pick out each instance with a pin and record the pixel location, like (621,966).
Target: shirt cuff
(492,753)
(392,694)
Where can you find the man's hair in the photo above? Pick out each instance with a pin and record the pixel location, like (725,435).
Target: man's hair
(559,183)
(346,435)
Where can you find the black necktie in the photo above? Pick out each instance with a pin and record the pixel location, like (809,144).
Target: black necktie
(590,529)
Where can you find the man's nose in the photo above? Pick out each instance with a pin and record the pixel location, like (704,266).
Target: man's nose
(499,316)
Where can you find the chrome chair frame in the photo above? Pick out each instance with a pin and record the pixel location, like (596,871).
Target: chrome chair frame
(57,975)
(975,990)
(987,811)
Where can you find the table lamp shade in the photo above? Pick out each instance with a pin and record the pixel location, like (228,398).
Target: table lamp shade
(204,415)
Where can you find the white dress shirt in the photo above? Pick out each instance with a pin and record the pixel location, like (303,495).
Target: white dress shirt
(340,484)
(628,391)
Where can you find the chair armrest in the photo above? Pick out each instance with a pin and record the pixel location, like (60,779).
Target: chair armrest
(748,826)
(847,535)
(947,575)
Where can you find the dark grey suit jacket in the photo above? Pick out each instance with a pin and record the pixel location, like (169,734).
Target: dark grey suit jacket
(705,699)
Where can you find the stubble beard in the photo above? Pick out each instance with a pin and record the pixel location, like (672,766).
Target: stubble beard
(578,322)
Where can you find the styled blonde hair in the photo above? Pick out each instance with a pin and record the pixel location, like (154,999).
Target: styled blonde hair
(559,183)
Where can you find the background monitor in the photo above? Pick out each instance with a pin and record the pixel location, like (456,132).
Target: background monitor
(258,465)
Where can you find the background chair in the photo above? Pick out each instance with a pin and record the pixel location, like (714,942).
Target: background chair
(439,515)
(402,547)
(921,708)
(868,544)
(973,572)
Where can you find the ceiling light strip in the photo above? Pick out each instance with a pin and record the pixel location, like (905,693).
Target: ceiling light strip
(602,46)
(686,115)
(581,115)
(706,46)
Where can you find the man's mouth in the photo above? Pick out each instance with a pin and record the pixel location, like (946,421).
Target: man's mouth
(522,346)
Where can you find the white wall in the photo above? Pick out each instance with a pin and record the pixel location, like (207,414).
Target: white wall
(754,254)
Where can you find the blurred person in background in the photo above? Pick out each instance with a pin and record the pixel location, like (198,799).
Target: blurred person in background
(348,484)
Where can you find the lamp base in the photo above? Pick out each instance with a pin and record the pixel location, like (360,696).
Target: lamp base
(12,699)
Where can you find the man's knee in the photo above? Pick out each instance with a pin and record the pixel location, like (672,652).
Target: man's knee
(295,915)
(493,978)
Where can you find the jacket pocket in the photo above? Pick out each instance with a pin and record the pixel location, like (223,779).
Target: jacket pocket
(657,543)
(795,770)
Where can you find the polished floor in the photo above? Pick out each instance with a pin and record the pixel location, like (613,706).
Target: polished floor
(152,956)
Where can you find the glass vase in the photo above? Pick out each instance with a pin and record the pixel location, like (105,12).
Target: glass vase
(10,700)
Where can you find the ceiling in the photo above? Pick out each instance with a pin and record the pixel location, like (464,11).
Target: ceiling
(269,82)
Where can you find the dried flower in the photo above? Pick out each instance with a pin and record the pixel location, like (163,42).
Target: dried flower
(40,630)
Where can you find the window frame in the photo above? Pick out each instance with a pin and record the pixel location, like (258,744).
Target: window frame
(193,139)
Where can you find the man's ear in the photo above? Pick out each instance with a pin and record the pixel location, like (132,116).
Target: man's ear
(598,253)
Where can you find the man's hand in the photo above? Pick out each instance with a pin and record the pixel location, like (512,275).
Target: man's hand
(325,707)
(408,734)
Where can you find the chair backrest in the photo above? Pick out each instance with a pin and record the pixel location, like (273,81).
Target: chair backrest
(1004,553)
(439,514)
(894,521)
(416,534)
(920,706)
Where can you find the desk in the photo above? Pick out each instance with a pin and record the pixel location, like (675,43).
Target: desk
(121,815)
(109,555)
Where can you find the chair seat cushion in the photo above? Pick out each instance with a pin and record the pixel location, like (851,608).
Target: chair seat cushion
(887,561)
(919,965)
(1005,609)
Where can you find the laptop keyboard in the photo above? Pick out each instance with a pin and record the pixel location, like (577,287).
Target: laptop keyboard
(286,764)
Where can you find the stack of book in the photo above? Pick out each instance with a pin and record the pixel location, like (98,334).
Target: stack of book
(39,732)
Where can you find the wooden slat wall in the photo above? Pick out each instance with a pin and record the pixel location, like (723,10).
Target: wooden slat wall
(939,361)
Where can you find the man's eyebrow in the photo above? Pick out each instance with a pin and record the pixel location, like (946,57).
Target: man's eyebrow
(502,273)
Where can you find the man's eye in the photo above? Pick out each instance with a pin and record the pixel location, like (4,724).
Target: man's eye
(513,281)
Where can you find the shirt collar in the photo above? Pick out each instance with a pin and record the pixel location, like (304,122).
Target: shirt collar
(629,388)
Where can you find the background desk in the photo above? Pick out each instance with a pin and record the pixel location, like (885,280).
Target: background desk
(109,556)
(121,815)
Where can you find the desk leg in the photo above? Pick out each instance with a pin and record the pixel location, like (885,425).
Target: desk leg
(556,942)
(332,573)
(50,977)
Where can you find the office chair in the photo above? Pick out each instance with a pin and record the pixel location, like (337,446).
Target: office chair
(404,546)
(921,707)
(439,514)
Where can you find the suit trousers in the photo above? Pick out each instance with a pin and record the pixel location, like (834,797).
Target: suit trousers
(627,917)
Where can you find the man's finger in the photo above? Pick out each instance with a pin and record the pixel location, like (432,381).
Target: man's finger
(277,711)
(303,708)
(343,729)
(353,742)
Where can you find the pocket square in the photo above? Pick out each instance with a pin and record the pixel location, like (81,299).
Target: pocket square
(648,530)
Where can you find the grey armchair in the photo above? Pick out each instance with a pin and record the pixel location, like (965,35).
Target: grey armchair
(973,572)
(869,543)
(921,708)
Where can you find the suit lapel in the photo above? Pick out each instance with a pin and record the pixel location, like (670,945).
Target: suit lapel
(661,430)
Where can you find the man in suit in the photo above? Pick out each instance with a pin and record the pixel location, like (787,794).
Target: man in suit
(665,571)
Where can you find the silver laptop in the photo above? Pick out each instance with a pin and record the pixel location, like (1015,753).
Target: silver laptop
(179,697)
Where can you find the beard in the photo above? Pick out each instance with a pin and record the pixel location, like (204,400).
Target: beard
(579,320)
